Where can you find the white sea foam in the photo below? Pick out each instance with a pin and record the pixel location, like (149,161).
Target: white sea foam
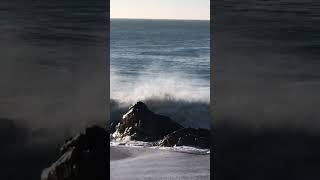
(170,72)
(174,86)
(142,144)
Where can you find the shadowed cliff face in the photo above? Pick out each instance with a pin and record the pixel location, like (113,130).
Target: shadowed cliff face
(82,157)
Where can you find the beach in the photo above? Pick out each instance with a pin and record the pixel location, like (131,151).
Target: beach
(142,163)
(170,73)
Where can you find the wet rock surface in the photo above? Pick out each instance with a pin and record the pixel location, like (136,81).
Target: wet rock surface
(86,155)
(141,124)
(187,137)
(83,157)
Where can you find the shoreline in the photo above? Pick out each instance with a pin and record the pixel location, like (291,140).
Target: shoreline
(153,164)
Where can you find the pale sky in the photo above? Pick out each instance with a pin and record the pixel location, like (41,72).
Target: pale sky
(160,9)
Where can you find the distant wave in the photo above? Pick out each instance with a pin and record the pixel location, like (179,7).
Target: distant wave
(142,144)
(182,52)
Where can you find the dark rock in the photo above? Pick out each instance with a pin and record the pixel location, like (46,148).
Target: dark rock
(187,137)
(139,123)
(82,157)
(112,126)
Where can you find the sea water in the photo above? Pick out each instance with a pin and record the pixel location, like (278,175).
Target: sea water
(165,63)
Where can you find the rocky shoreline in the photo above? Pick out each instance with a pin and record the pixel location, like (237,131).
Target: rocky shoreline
(82,157)
(85,156)
(141,124)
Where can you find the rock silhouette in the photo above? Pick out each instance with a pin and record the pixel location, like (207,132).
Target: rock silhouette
(139,123)
(85,156)
(187,137)
(82,157)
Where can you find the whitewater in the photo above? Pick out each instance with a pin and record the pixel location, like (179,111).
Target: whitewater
(165,64)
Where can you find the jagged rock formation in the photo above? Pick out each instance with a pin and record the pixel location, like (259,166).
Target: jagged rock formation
(82,157)
(139,123)
(187,137)
(85,156)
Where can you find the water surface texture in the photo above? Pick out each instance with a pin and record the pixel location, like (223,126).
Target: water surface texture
(162,61)
(268,62)
(52,74)
(267,89)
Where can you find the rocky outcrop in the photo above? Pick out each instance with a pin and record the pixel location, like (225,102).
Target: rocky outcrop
(187,137)
(85,156)
(139,123)
(82,157)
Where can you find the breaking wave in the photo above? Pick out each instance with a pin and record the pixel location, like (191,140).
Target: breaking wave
(142,144)
(181,99)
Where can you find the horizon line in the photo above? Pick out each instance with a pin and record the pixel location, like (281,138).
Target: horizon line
(160,19)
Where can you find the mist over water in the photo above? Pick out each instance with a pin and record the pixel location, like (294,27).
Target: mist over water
(267,89)
(267,63)
(164,86)
(52,74)
(52,63)
(163,63)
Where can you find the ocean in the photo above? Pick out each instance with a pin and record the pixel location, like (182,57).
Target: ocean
(53,61)
(267,63)
(267,89)
(165,63)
